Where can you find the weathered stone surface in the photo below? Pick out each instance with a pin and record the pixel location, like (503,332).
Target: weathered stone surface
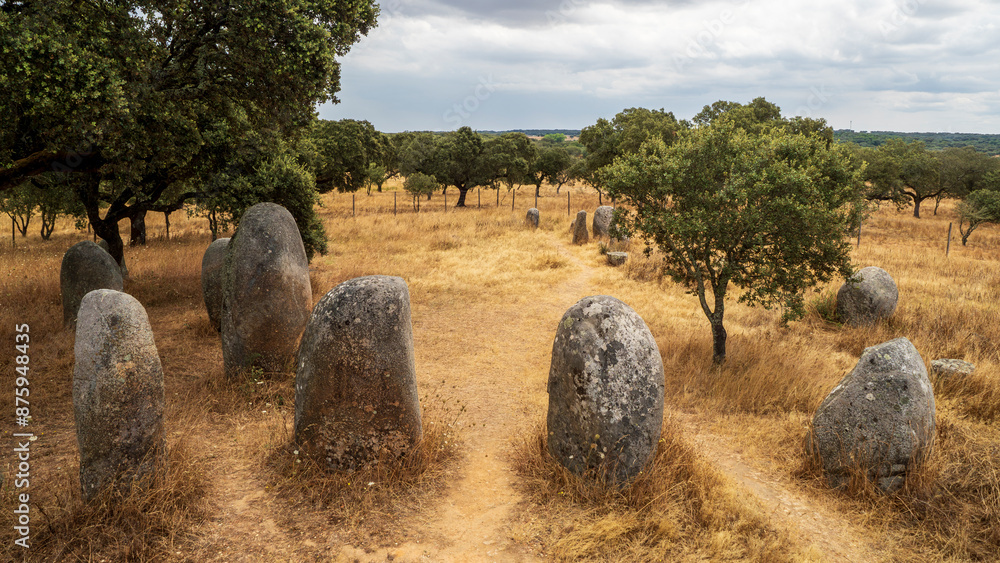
(355,388)
(617,258)
(951,369)
(117,393)
(605,390)
(580,235)
(211,279)
(531,219)
(868,301)
(879,419)
(602,221)
(266,293)
(85,267)
(107,248)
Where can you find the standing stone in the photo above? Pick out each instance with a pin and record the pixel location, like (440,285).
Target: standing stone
(355,388)
(869,300)
(266,293)
(117,393)
(879,419)
(211,279)
(602,221)
(580,235)
(532,218)
(85,267)
(107,248)
(605,390)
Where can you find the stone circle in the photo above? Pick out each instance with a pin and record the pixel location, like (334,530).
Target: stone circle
(602,221)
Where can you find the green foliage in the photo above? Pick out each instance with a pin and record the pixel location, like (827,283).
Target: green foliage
(19,204)
(978,208)
(128,95)
(552,166)
(745,202)
(351,155)
(553,139)
(508,159)
(458,161)
(898,171)
(630,128)
(419,184)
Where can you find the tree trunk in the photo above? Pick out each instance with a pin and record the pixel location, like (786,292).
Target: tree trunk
(718,341)
(166,219)
(461,197)
(138,222)
(916,207)
(213,225)
(538,188)
(108,230)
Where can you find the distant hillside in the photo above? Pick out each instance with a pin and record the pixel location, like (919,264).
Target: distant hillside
(989,144)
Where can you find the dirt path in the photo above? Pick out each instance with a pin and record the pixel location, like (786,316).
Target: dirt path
(502,384)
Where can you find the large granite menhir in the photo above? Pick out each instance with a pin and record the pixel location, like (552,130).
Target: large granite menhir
(356,396)
(118,394)
(870,299)
(879,420)
(605,390)
(266,293)
(85,267)
(580,235)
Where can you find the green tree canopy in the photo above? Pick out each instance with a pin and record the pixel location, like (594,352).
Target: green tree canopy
(766,211)
(978,208)
(351,155)
(123,94)
(459,161)
(630,128)
(902,172)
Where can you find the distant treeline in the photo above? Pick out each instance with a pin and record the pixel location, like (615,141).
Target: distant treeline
(989,144)
(538,132)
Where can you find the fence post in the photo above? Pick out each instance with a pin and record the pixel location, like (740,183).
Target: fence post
(479,198)
(948,248)
(446,200)
(353,208)
(498,198)
(513,194)
(567,203)
(393,203)
(536,199)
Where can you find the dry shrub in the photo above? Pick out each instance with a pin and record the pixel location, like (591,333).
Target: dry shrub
(142,523)
(678,507)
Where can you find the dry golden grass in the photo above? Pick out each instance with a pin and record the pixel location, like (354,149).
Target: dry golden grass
(678,509)
(478,278)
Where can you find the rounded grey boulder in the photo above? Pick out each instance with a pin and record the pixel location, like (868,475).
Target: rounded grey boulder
(605,390)
(532,218)
(266,293)
(879,419)
(356,396)
(211,279)
(117,393)
(602,221)
(85,267)
(617,258)
(107,248)
(580,235)
(865,302)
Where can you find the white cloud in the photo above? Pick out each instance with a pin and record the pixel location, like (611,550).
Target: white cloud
(910,65)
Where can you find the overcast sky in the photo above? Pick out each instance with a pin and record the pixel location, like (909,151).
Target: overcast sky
(928,65)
